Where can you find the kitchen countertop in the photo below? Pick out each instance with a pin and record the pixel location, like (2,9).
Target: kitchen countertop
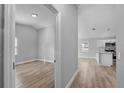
(104,52)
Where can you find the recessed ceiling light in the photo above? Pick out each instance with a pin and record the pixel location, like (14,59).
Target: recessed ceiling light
(34,15)
(93,29)
(108,29)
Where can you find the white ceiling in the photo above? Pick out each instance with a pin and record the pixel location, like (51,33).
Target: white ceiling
(100,17)
(24,12)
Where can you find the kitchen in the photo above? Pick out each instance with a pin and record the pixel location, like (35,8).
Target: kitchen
(106,53)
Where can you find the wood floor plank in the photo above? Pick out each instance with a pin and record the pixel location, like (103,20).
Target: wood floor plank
(35,75)
(92,75)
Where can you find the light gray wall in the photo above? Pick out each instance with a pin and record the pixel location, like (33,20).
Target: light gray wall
(35,44)
(27,43)
(1,46)
(46,43)
(120,47)
(69,42)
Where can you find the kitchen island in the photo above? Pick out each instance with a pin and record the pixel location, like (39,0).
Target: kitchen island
(104,58)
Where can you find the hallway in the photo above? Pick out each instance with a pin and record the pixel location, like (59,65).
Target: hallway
(91,75)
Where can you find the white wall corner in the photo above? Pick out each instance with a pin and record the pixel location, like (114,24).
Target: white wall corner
(72,79)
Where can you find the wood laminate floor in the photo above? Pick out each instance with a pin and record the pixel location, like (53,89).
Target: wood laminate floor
(35,75)
(91,75)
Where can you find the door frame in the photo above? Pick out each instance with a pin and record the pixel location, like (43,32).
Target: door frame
(9,40)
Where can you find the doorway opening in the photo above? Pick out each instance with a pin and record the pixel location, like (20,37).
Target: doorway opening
(34,46)
(96,47)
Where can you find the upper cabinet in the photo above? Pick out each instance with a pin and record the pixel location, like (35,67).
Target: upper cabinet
(102,43)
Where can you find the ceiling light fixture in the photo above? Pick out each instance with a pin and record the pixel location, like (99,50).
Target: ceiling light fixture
(108,29)
(93,29)
(34,15)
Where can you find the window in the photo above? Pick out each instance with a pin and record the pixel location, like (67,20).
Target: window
(84,46)
(16,45)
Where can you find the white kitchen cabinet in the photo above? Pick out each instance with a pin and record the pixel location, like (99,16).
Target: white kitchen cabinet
(106,59)
(101,43)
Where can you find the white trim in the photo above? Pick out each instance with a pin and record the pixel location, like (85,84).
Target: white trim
(31,60)
(9,32)
(57,50)
(46,60)
(72,79)
(51,8)
(26,61)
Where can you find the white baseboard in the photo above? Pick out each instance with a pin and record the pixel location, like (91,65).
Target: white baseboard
(87,57)
(27,61)
(72,79)
(45,60)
